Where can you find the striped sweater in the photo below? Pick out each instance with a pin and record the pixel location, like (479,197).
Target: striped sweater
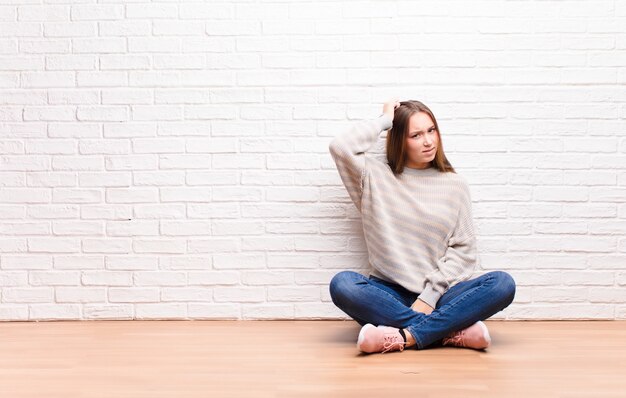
(418,225)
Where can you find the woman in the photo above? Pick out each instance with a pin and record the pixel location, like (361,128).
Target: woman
(417,221)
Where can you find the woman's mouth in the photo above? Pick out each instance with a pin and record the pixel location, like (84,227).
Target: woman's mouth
(430,151)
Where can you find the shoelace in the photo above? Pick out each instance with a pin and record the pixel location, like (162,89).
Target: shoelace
(390,341)
(456,339)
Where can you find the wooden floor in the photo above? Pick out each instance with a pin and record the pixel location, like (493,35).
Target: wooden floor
(302,359)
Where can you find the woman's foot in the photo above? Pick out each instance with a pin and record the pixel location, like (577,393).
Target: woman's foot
(475,336)
(380,339)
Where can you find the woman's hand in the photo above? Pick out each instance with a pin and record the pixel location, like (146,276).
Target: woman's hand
(420,306)
(390,106)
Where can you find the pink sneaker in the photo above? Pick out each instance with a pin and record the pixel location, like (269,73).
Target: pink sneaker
(475,336)
(379,339)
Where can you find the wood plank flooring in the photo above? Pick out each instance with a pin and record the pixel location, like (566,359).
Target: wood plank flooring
(153,359)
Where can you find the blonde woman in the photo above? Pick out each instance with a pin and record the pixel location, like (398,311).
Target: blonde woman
(417,220)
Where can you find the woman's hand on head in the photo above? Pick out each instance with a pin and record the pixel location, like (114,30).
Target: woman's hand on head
(390,106)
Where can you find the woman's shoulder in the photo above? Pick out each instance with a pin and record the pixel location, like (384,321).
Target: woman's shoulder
(455,182)
(456,177)
(461,184)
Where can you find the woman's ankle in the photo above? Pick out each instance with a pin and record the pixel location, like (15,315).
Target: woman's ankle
(410,340)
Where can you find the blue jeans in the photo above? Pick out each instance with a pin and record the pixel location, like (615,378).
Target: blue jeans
(373,300)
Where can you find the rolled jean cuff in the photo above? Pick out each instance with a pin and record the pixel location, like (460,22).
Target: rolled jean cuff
(418,342)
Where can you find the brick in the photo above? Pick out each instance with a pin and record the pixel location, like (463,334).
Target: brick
(214,311)
(107,212)
(70,62)
(132,228)
(28,295)
(21,195)
(26,262)
(99,46)
(186,294)
(162,246)
(161,311)
(55,147)
(132,195)
(185,194)
(131,263)
(268,311)
(293,294)
(77,228)
(47,79)
(19,278)
(160,278)
(185,228)
(103,113)
(133,295)
(214,245)
(108,312)
(101,79)
(151,11)
(70,29)
(186,262)
(239,294)
(319,311)
(14,312)
(97,12)
(43,13)
(126,96)
(73,97)
(106,278)
(79,295)
(214,278)
(108,245)
(238,261)
(215,145)
(173,178)
(267,244)
(78,262)
(54,312)
(124,62)
(260,278)
(111,179)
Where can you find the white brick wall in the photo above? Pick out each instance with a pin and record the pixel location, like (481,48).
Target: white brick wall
(169,160)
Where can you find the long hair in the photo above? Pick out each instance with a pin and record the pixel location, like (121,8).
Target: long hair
(396,138)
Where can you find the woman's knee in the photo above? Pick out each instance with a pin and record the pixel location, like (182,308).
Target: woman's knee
(341,284)
(505,285)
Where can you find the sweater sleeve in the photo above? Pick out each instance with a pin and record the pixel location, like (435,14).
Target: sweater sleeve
(348,151)
(459,261)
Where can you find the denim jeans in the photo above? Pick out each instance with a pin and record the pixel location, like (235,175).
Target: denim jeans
(373,300)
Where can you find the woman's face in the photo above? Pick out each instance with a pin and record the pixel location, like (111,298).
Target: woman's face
(421,137)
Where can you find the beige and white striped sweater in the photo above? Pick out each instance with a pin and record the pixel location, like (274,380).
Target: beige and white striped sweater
(418,226)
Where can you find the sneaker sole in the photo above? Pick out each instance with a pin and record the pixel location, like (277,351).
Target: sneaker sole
(362,335)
